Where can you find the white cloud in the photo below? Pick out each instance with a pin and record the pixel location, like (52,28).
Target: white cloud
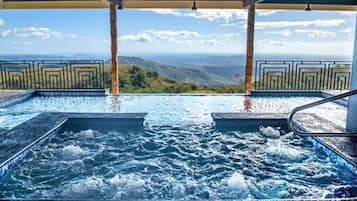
(316,23)
(231,35)
(36,32)
(2,22)
(267,12)
(21,43)
(347,13)
(182,36)
(226,15)
(316,33)
(5,33)
(212,42)
(168,34)
(179,37)
(164,11)
(218,15)
(346,31)
(285,33)
(140,37)
(229,24)
(269,42)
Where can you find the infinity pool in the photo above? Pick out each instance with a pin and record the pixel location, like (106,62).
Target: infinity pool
(179,154)
(168,162)
(166,109)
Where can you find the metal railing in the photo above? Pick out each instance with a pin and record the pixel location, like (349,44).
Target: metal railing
(298,131)
(51,74)
(302,75)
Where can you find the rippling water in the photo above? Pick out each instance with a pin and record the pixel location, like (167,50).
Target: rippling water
(166,110)
(179,155)
(168,162)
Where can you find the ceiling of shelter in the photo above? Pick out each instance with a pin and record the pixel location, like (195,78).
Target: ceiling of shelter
(201,4)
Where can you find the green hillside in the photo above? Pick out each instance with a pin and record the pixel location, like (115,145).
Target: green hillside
(197,76)
(134,79)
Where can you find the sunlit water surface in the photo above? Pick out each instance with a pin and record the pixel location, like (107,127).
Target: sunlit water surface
(178,155)
(166,110)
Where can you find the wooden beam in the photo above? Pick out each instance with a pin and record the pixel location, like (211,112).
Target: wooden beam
(53,4)
(34,4)
(114,47)
(272,6)
(250,48)
(201,4)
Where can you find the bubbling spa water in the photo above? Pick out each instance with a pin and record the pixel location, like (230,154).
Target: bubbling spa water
(164,162)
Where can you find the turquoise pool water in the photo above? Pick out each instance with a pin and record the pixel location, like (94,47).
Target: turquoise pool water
(168,162)
(166,110)
(178,156)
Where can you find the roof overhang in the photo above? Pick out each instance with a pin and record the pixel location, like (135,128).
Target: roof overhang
(347,5)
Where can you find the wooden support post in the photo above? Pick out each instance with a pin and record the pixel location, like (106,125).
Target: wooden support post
(114,47)
(250,48)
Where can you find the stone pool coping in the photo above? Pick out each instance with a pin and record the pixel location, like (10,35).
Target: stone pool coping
(16,142)
(344,147)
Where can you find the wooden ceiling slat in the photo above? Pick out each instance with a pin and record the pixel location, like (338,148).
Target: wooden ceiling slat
(184,4)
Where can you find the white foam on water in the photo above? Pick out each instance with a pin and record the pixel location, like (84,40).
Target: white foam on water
(276,148)
(87,188)
(127,181)
(237,182)
(115,180)
(128,186)
(269,132)
(87,133)
(72,151)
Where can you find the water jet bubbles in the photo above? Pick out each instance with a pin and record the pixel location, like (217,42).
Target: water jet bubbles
(237,182)
(90,187)
(72,152)
(269,132)
(234,187)
(87,133)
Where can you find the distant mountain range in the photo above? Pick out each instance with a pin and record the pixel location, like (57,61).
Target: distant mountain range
(198,76)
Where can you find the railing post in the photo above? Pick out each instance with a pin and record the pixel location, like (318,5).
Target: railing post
(250,47)
(114,47)
(351,124)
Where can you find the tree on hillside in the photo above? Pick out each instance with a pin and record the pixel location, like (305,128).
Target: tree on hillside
(138,77)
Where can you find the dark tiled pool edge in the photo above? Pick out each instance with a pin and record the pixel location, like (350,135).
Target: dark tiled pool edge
(223,120)
(15,143)
(69,92)
(272,93)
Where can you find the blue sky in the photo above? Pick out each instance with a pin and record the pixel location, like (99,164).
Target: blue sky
(175,31)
